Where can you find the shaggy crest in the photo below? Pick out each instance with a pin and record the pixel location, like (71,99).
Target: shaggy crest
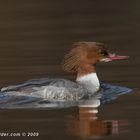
(75,57)
(71,60)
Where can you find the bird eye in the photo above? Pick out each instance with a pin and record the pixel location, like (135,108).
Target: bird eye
(104,53)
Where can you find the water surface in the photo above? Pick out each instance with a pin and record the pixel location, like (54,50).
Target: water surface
(34,37)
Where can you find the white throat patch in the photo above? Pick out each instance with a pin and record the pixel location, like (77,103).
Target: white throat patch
(90,82)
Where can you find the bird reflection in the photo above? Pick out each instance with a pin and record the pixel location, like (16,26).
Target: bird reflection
(87,125)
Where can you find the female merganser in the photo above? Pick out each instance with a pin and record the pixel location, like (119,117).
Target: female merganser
(81,59)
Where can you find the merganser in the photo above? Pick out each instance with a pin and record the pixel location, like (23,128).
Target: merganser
(82,60)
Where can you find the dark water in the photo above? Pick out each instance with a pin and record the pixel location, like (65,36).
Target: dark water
(34,35)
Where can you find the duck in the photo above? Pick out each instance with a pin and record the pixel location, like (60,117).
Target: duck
(81,59)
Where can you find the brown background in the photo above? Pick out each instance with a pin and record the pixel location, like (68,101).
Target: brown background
(35,34)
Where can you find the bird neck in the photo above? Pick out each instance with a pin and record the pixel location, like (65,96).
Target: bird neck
(88,78)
